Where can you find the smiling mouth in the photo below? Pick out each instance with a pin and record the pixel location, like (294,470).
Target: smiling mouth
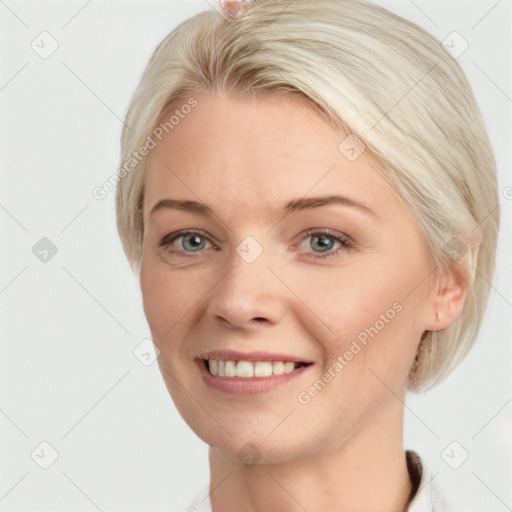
(248,369)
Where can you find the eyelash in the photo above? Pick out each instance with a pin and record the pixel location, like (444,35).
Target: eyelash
(345,241)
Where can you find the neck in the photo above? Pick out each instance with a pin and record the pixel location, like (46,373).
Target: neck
(366,473)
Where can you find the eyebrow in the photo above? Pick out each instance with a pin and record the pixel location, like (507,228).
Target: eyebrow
(303,203)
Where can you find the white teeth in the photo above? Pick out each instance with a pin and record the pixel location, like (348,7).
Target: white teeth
(263,369)
(244,369)
(278,368)
(230,369)
(289,367)
(214,367)
(248,369)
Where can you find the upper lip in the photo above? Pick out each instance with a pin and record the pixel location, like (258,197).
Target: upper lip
(236,355)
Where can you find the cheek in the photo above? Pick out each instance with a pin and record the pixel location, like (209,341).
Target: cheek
(154,291)
(372,317)
(165,297)
(352,297)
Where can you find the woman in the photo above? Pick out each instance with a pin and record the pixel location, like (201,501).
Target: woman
(307,204)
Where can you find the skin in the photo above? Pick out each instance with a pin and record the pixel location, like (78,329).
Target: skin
(343,451)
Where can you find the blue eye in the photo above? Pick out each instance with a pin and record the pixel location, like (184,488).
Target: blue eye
(322,242)
(192,241)
(325,240)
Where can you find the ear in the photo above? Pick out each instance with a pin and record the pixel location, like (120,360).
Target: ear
(453,282)
(447,296)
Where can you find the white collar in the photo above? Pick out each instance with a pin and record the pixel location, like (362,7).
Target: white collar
(428,497)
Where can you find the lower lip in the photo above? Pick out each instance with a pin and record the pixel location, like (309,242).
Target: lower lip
(248,385)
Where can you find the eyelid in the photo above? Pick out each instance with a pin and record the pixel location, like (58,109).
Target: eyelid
(171,237)
(330,232)
(346,241)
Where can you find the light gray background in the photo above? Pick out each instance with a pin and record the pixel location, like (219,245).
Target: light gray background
(68,374)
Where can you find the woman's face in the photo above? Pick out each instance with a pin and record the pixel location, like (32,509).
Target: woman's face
(338,289)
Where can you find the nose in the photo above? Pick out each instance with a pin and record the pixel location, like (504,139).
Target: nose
(248,295)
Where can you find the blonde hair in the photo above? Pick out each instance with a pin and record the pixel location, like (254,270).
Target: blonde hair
(379,76)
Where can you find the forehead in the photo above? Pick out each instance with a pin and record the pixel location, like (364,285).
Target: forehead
(251,155)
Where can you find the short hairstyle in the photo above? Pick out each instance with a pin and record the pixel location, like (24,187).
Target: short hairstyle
(371,72)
